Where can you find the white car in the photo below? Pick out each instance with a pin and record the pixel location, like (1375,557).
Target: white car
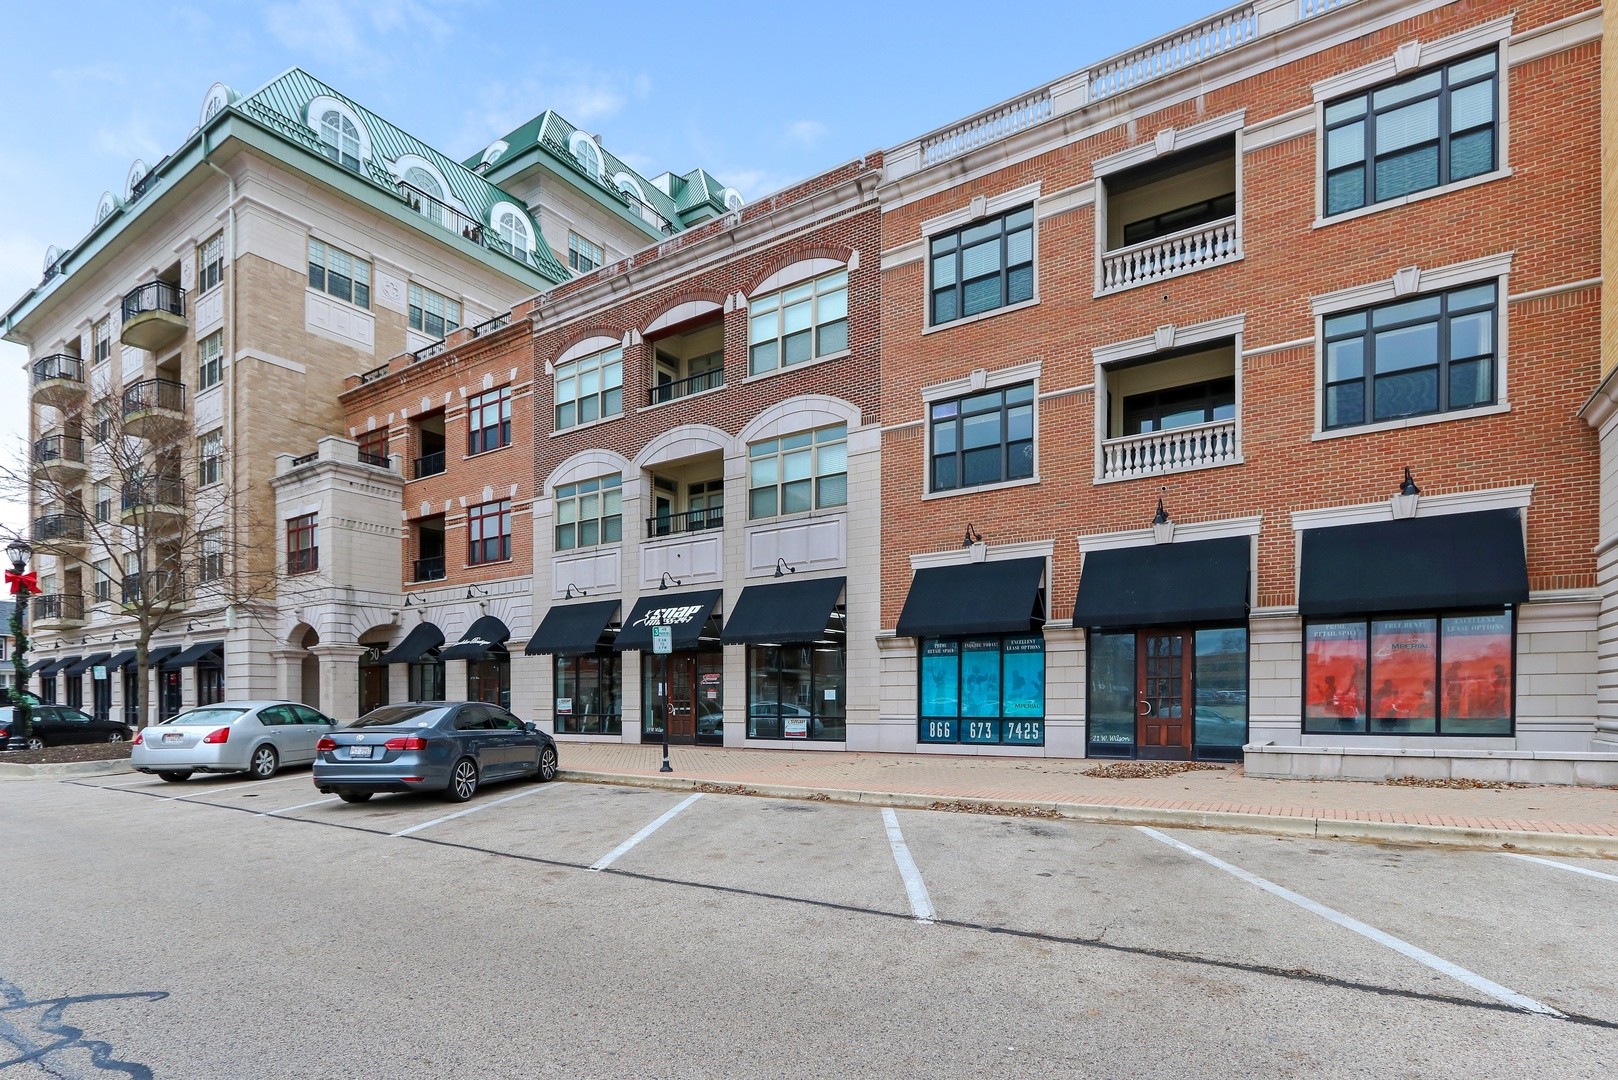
(255,737)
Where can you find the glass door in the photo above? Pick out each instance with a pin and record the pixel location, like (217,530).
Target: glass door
(1163,687)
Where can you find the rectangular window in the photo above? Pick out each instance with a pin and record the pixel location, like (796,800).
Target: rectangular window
(589,695)
(101,347)
(303,547)
(433,314)
(210,685)
(210,350)
(983,439)
(103,580)
(210,453)
(103,497)
(983,690)
(488,528)
(806,471)
(1425,354)
(589,513)
(101,431)
(1410,675)
(488,421)
(590,388)
(211,555)
(1428,129)
(373,448)
(798,324)
(337,273)
(210,262)
(1180,406)
(582,255)
(983,266)
(797,691)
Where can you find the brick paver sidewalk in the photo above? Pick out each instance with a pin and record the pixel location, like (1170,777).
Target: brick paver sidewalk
(1564,810)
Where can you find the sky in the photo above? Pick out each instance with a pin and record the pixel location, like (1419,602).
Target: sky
(759,95)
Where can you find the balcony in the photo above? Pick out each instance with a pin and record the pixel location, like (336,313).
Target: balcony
(452,220)
(59,532)
(428,465)
(156,587)
(152,406)
(58,611)
(1200,446)
(154,315)
(59,380)
(60,458)
(429,569)
(689,522)
(1198,248)
(158,502)
(1173,413)
(679,388)
(1176,214)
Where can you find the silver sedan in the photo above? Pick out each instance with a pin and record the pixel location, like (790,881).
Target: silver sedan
(255,737)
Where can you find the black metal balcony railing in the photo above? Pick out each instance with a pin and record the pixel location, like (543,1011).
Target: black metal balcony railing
(151,394)
(381,461)
(447,217)
(58,448)
(154,296)
(690,521)
(58,606)
(158,586)
(489,326)
(378,372)
(429,569)
(429,465)
(429,352)
(54,528)
(691,384)
(59,366)
(154,491)
(305,459)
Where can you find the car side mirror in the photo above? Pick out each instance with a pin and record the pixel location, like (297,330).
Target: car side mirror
(530,727)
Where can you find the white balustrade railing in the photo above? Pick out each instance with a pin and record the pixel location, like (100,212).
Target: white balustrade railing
(986,127)
(1309,8)
(1196,248)
(1199,447)
(1190,46)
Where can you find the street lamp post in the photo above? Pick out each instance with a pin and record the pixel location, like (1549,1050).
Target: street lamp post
(23,584)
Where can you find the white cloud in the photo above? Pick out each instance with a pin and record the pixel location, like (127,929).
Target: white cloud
(359,41)
(805,133)
(753,183)
(581,99)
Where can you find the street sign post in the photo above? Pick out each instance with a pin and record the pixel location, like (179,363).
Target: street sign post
(663,645)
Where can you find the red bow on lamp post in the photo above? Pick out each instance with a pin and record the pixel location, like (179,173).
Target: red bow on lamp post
(22,583)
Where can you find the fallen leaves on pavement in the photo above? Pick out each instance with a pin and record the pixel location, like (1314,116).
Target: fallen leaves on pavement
(1147,770)
(997,811)
(1458,783)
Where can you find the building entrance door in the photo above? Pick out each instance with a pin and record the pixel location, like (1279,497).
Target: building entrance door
(682,699)
(373,682)
(168,702)
(689,696)
(1163,714)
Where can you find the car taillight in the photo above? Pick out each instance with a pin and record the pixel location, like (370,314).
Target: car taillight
(406,742)
(326,743)
(218,736)
(138,735)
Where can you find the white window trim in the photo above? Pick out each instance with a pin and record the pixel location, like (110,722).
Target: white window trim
(586,465)
(573,148)
(980,207)
(804,270)
(1519,497)
(1410,56)
(981,379)
(978,381)
(137,170)
(680,313)
(491,153)
(405,162)
(1170,140)
(622,178)
(1415,281)
(590,345)
(506,206)
(1185,532)
(325,103)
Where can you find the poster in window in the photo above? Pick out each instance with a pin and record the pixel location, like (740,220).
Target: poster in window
(1024,675)
(1404,670)
(1336,674)
(940,678)
(980,677)
(1477,674)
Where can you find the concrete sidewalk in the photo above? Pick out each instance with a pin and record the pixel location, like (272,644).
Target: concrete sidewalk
(1567,821)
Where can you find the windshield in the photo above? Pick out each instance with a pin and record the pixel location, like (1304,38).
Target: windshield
(204,716)
(418,716)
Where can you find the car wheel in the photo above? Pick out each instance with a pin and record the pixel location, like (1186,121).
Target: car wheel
(34,742)
(463,781)
(263,763)
(115,736)
(355,796)
(547,765)
(174,776)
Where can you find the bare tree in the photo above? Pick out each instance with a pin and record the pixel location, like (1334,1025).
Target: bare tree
(125,496)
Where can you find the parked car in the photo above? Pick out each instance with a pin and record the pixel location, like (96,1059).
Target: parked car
(445,746)
(255,737)
(55,725)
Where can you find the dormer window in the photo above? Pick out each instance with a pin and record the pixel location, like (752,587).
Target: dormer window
(340,139)
(512,227)
(586,153)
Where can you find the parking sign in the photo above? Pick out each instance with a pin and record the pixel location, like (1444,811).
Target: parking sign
(662,640)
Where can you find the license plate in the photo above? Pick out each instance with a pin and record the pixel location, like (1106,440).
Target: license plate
(172,736)
(360,751)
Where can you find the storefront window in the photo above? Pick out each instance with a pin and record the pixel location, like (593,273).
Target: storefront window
(210,684)
(1111,713)
(983,690)
(427,679)
(489,678)
(1412,675)
(589,695)
(796,691)
(1221,692)
(688,689)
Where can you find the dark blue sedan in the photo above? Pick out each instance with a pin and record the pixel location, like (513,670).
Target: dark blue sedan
(445,746)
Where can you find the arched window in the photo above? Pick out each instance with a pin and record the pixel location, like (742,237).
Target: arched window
(733,199)
(426,183)
(340,139)
(513,230)
(627,185)
(587,154)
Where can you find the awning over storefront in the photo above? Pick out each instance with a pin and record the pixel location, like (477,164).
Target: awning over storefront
(1418,564)
(195,654)
(685,613)
(483,635)
(61,665)
(784,612)
(157,655)
(1200,581)
(572,629)
(38,666)
(974,598)
(121,660)
(82,666)
(422,639)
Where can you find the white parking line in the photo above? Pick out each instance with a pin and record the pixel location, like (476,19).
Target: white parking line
(1559,866)
(1437,963)
(234,787)
(474,809)
(300,806)
(613,855)
(921,905)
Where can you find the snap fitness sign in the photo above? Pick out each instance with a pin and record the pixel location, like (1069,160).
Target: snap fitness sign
(669,616)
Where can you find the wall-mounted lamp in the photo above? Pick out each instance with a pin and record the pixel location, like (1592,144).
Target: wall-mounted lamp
(782,568)
(473,594)
(663,585)
(1162,524)
(188,626)
(972,536)
(1404,502)
(571,589)
(1408,485)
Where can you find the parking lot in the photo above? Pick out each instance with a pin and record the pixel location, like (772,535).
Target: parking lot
(222,928)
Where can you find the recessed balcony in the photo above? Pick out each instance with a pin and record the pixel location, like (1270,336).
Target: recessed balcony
(59,458)
(1171,414)
(151,404)
(59,533)
(157,587)
(59,380)
(158,502)
(688,522)
(1172,216)
(154,316)
(58,611)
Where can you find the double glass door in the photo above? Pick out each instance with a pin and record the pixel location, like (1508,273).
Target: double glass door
(685,690)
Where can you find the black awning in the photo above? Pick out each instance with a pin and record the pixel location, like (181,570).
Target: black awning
(784,612)
(423,638)
(974,598)
(1199,581)
(572,629)
(1418,564)
(121,660)
(482,636)
(686,613)
(196,653)
(84,665)
(38,666)
(63,664)
(155,657)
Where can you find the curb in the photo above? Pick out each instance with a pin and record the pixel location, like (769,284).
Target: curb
(64,770)
(1571,845)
